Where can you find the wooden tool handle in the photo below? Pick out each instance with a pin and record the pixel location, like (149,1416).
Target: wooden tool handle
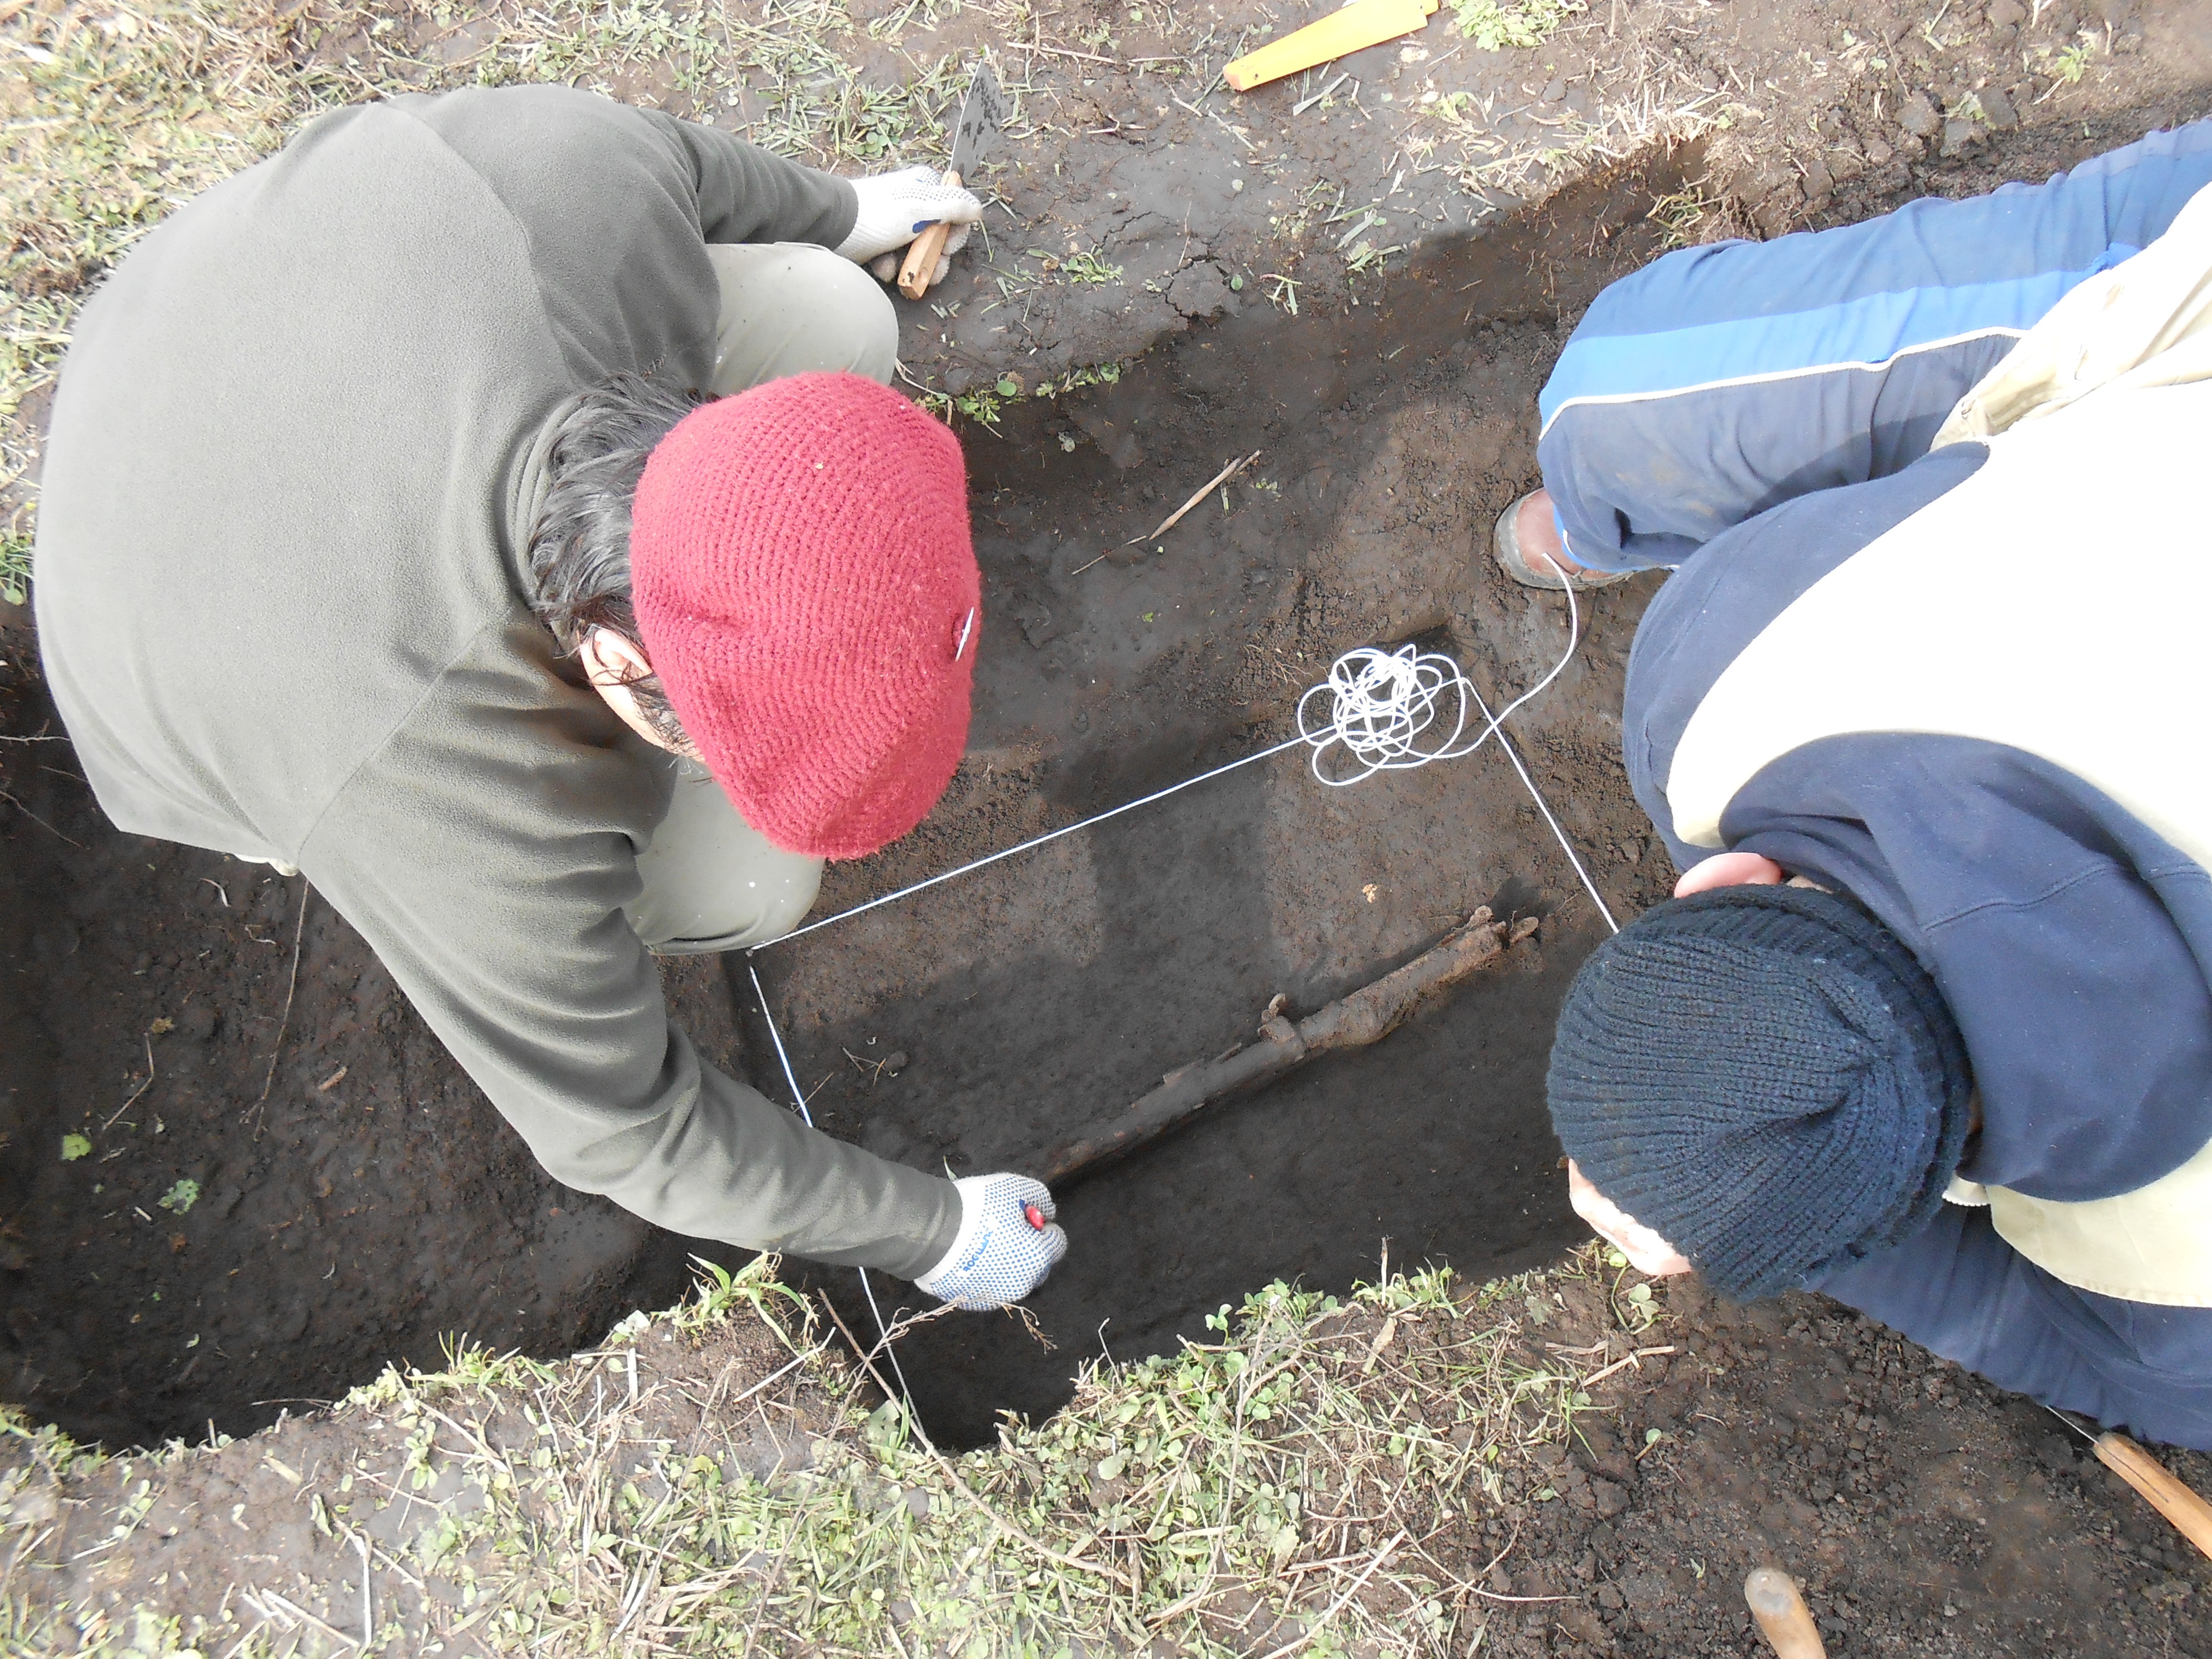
(2191,1514)
(1784,1618)
(918,268)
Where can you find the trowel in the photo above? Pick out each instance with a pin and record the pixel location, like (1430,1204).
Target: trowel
(981,115)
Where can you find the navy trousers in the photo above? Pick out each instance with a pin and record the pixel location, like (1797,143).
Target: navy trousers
(1720,381)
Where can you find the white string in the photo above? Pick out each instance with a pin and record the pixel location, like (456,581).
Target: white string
(1024,846)
(1384,707)
(806,1117)
(1559,835)
(1384,701)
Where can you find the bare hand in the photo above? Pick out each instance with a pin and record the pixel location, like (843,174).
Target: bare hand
(1729,870)
(1646,1251)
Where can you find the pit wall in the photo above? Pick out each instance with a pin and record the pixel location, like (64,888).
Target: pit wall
(726,1476)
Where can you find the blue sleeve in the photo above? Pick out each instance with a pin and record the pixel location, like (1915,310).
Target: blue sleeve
(1957,1288)
(1719,380)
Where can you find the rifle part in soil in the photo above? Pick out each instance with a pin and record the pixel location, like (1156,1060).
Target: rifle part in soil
(1365,1015)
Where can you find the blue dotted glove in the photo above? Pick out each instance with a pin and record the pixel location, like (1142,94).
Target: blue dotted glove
(1006,1246)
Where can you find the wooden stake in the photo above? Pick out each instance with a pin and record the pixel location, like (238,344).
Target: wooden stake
(1784,1618)
(2191,1514)
(1362,23)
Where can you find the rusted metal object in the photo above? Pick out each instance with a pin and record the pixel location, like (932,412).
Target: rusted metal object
(1366,1016)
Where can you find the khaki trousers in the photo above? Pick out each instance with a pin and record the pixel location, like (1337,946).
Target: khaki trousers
(711,881)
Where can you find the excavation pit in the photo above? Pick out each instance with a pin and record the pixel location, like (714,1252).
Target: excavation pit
(357,1200)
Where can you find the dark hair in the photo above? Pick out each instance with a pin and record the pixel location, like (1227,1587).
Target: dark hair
(578,552)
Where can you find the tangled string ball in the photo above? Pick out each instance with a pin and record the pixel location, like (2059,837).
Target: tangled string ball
(1388,710)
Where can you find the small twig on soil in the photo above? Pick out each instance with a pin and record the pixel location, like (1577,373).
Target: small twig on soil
(36,820)
(1595,1378)
(367,1607)
(1086,565)
(1338,1606)
(135,1093)
(1305,104)
(1028,1322)
(1209,115)
(899,1327)
(299,1612)
(1205,490)
(299,928)
(1093,58)
(783,1370)
(874,1068)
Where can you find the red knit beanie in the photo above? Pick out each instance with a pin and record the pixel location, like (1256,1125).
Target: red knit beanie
(807,591)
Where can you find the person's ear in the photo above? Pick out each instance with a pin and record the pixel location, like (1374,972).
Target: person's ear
(611,660)
(1729,870)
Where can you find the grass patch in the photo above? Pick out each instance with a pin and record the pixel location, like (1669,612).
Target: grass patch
(1520,23)
(1324,1472)
(1697,213)
(985,404)
(114,122)
(15,567)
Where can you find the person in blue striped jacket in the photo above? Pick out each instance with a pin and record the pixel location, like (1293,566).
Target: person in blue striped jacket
(1928,1025)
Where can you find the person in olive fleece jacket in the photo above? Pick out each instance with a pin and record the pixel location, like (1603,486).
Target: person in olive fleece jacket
(334,571)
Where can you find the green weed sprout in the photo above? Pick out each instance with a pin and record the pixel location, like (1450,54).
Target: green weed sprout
(1520,23)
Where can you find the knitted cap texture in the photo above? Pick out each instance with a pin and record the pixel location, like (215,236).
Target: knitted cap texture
(1767,1077)
(807,591)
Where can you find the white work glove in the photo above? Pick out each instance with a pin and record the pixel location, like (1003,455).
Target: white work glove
(896,207)
(1001,1254)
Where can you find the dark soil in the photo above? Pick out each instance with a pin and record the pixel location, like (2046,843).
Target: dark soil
(1822,108)
(1924,1511)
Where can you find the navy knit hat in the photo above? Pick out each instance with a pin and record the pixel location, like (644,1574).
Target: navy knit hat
(1767,1078)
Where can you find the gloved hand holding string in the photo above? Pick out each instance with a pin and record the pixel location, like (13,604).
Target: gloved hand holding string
(896,208)
(1007,1243)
